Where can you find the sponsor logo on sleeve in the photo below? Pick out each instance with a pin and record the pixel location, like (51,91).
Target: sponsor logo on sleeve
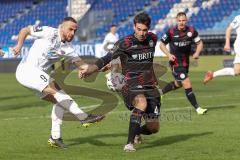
(37,28)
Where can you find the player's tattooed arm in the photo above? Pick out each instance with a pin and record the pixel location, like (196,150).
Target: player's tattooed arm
(84,69)
(88,69)
(114,53)
(103,61)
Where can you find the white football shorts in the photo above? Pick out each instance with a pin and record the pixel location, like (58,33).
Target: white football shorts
(33,78)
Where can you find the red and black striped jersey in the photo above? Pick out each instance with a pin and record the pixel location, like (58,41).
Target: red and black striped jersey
(136,59)
(180,42)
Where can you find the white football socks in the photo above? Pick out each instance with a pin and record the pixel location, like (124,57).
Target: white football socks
(57,116)
(69,104)
(224,72)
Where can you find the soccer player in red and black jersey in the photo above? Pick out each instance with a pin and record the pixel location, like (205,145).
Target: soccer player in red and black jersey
(140,92)
(180,39)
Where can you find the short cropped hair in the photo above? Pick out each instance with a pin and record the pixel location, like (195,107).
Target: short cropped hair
(142,18)
(69,19)
(181,14)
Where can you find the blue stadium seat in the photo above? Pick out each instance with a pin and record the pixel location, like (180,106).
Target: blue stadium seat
(51,12)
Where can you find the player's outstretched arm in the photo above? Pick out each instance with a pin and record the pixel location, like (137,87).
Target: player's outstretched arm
(198,50)
(227,39)
(84,69)
(170,56)
(87,69)
(24,32)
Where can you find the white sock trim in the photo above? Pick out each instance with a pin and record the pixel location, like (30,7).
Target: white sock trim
(69,104)
(57,115)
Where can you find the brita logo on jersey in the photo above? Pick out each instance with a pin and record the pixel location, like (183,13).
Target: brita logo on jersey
(143,56)
(182,44)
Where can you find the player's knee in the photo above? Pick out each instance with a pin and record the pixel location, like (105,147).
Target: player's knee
(237,72)
(154,130)
(52,88)
(49,90)
(177,84)
(140,102)
(50,98)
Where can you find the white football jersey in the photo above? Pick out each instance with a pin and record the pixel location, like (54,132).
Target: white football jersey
(47,48)
(235,24)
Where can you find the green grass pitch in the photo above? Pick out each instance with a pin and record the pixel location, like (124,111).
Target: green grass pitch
(25,123)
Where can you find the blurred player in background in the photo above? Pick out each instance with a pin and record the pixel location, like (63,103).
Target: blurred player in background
(180,39)
(1,52)
(235,71)
(33,71)
(110,39)
(140,93)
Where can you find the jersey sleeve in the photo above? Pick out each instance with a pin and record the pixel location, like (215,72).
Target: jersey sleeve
(235,23)
(196,37)
(166,37)
(153,37)
(41,31)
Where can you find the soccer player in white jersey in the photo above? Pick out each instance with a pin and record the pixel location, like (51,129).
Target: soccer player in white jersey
(235,71)
(110,39)
(33,71)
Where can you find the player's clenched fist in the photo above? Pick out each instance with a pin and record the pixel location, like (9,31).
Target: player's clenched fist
(86,70)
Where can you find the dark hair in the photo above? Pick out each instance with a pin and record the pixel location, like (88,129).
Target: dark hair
(113,25)
(181,14)
(69,19)
(142,18)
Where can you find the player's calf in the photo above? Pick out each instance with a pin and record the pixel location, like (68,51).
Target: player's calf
(170,87)
(69,104)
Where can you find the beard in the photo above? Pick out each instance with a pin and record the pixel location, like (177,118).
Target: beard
(69,39)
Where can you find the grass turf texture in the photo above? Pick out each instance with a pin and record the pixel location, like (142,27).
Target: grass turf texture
(25,123)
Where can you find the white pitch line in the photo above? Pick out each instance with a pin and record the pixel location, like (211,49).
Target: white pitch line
(209,96)
(175,98)
(25,118)
(184,108)
(118,112)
